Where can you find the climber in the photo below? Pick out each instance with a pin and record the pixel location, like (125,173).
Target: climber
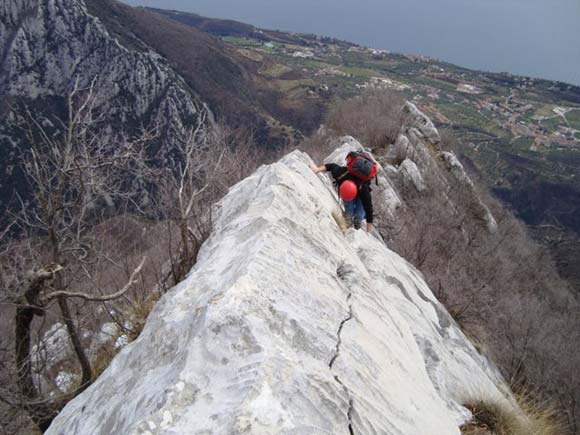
(353,182)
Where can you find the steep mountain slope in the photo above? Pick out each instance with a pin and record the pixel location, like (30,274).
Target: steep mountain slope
(49,47)
(146,70)
(46,46)
(237,82)
(221,76)
(288,325)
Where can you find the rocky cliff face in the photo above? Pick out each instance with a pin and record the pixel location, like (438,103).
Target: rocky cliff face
(46,46)
(288,325)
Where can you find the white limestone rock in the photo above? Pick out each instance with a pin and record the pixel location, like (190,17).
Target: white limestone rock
(49,358)
(399,151)
(345,144)
(121,341)
(287,325)
(108,333)
(53,348)
(387,198)
(64,381)
(412,175)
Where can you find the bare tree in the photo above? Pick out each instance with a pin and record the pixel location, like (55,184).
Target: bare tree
(207,163)
(75,180)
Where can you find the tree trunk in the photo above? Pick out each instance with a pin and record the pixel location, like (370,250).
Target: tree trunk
(77,346)
(184,240)
(42,413)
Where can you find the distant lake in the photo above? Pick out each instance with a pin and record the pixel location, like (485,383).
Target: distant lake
(538,38)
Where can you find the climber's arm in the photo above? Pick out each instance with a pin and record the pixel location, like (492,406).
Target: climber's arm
(317,169)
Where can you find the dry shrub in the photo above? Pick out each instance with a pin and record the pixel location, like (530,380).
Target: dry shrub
(319,146)
(448,140)
(137,315)
(375,118)
(502,289)
(103,359)
(536,418)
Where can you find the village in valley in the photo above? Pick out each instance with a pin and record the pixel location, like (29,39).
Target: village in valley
(509,127)
(531,120)
(524,116)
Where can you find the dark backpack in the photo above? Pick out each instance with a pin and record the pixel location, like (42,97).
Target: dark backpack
(362,165)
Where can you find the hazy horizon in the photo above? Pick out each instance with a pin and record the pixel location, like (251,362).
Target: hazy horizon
(537,38)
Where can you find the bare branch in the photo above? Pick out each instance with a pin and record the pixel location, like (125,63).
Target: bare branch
(126,287)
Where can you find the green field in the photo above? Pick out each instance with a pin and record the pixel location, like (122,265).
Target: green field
(358,72)
(523,143)
(552,124)
(469,117)
(276,70)
(241,42)
(573,118)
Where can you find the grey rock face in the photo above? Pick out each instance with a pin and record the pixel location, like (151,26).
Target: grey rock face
(344,145)
(46,45)
(480,210)
(287,325)
(417,163)
(397,152)
(422,123)
(412,175)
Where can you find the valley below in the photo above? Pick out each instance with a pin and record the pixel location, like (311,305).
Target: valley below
(520,135)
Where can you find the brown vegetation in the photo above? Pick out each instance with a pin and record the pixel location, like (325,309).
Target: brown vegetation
(375,118)
(532,418)
(502,288)
(228,81)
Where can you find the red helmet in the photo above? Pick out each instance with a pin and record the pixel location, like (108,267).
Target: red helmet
(348,190)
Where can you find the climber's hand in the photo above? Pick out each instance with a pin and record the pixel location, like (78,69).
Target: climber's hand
(317,169)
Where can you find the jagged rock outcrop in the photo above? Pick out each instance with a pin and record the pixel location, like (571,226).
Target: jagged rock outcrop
(397,152)
(413,163)
(412,176)
(480,210)
(416,160)
(46,45)
(421,124)
(52,355)
(287,325)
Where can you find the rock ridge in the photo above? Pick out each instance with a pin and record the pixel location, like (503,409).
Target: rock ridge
(288,325)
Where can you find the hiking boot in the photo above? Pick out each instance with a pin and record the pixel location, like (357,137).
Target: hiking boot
(357,225)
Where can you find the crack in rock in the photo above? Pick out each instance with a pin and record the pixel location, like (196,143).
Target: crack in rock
(333,359)
(349,415)
(338,333)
